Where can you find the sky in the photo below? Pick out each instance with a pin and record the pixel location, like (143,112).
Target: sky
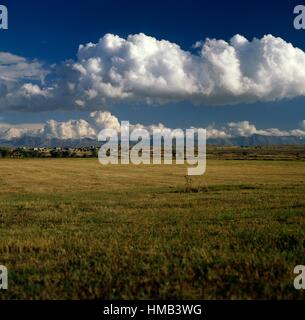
(43,42)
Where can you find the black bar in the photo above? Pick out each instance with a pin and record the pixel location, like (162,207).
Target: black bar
(208,310)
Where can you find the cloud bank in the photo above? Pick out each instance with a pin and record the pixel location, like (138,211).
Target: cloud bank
(98,120)
(142,69)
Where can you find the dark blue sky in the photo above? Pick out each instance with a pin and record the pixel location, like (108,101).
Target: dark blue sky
(52,31)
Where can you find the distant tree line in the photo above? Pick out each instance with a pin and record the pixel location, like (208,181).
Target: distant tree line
(86,152)
(267,152)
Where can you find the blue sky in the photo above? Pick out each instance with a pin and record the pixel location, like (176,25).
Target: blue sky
(51,32)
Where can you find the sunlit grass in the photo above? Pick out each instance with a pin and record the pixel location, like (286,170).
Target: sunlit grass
(71,228)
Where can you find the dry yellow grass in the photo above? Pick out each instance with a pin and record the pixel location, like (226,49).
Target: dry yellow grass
(71,228)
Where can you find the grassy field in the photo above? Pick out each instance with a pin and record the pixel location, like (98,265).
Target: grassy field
(71,228)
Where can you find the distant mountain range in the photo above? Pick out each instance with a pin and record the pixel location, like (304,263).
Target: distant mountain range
(253,140)
(256,139)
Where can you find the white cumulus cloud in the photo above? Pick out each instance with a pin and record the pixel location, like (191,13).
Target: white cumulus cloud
(98,120)
(247,129)
(142,68)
